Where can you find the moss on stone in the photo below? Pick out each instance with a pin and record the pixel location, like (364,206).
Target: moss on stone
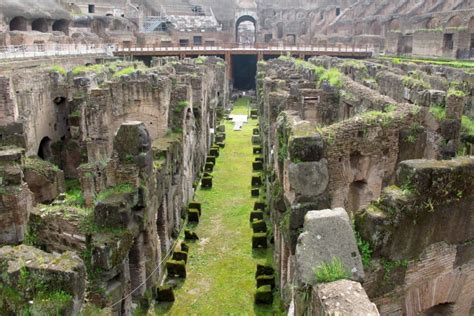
(264,295)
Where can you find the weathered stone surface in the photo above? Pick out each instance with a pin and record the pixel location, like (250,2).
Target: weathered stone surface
(327,234)
(341,297)
(131,140)
(28,274)
(306,180)
(45,180)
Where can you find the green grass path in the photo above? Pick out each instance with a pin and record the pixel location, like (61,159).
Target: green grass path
(221,266)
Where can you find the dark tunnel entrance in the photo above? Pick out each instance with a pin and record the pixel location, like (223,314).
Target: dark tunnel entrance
(244,71)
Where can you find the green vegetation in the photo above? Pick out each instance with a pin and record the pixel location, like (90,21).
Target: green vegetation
(356,64)
(80,70)
(415,82)
(303,64)
(377,117)
(455,63)
(438,112)
(58,69)
(457,93)
(201,60)
(435,30)
(332,76)
(390,266)
(41,166)
(415,130)
(52,303)
(286,58)
(74,196)
(364,249)
(181,106)
(467,126)
(221,266)
(124,72)
(119,189)
(330,272)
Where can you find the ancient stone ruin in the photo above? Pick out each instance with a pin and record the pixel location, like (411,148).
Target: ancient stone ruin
(236,157)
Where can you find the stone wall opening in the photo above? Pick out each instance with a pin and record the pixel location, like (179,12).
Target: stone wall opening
(61,26)
(455,21)
(18,23)
(246,30)
(439,310)
(44,150)
(40,25)
(448,41)
(244,71)
(357,191)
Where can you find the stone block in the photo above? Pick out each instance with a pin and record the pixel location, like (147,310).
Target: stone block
(257,150)
(256,131)
(131,140)
(306,180)
(257,166)
(327,234)
(307,148)
(263,280)
(206,182)
(214,152)
(264,295)
(184,247)
(259,205)
(259,240)
(256,215)
(220,138)
(180,256)
(343,297)
(256,140)
(221,144)
(44,179)
(211,159)
(25,271)
(165,293)
(259,159)
(255,192)
(259,226)
(209,167)
(257,181)
(190,235)
(220,129)
(176,268)
(264,270)
(193,215)
(196,205)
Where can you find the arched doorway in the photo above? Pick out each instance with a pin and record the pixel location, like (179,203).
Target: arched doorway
(246,30)
(19,23)
(61,26)
(44,150)
(40,25)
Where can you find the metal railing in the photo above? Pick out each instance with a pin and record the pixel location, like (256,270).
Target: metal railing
(51,50)
(237,46)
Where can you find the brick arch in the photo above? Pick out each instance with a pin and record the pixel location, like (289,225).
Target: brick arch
(394,25)
(359,28)
(454,21)
(375,28)
(433,23)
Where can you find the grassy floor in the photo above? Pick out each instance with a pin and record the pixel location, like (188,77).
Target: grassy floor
(456,63)
(221,268)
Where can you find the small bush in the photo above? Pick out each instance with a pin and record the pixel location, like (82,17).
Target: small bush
(121,188)
(438,112)
(330,272)
(456,92)
(124,72)
(201,60)
(364,250)
(58,69)
(332,76)
(467,126)
(80,70)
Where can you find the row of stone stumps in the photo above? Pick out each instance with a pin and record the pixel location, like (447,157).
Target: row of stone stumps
(176,266)
(265,275)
